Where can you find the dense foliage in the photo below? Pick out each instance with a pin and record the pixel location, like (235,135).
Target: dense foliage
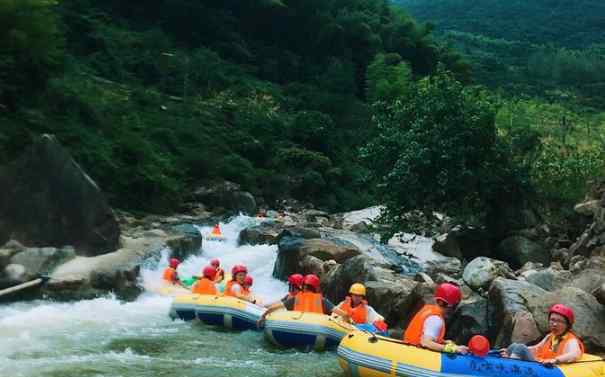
(572,24)
(437,151)
(157,96)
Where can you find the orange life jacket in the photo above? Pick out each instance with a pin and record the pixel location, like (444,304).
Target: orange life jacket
(358,314)
(204,286)
(170,275)
(548,350)
(229,288)
(413,334)
(308,302)
(246,291)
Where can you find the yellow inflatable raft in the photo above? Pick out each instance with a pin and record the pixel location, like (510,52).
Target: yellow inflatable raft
(307,330)
(229,312)
(362,354)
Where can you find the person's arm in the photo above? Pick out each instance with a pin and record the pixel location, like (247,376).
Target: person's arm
(430,332)
(237,292)
(288,304)
(329,308)
(373,316)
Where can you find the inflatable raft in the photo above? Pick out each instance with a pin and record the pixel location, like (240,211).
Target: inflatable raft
(305,330)
(362,354)
(229,312)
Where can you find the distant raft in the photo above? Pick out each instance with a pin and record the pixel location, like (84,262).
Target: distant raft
(305,330)
(361,354)
(229,312)
(216,235)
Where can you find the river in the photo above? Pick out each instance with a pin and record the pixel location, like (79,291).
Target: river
(107,337)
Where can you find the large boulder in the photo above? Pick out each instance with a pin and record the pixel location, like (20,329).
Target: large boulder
(518,250)
(360,219)
(510,297)
(265,233)
(549,279)
(480,272)
(520,305)
(471,318)
(599,294)
(36,261)
(183,240)
(225,195)
(589,315)
(394,300)
(89,277)
(48,200)
(292,249)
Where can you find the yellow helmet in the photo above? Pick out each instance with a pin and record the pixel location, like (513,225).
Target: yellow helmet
(358,289)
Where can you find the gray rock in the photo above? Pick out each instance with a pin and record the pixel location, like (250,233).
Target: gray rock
(480,272)
(393,300)
(471,318)
(599,294)
(588,208)
(42,260)
(225,195)
(518,250)
(548,279)
(89,277)
(446,266)
(292,251)
(447,244)
(260,234)
(508,298)
(15,274)
(337,282)
(46,180)
(184,240)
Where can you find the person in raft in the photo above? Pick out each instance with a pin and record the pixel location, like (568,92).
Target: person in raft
(205,285)
(309,300)
(427,328)
(357,308)
(170,274)
(235,287)
(295,285)
(561,345)
(220,273)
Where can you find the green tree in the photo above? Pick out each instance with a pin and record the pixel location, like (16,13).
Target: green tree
(31,47)
(437,151)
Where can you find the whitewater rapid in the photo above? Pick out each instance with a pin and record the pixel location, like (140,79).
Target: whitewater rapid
(110,337)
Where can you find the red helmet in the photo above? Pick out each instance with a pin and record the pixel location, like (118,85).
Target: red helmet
(248,280)
(296,280)
(237,269)
(215,263)
(563,310)
(174,263)
(479,345)
(449,293)
(209,272)
(312,280)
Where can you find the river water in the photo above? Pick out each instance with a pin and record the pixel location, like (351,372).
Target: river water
(107,337)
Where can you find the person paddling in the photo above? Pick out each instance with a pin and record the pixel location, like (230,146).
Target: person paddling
(310,300)
(235,287)
(357,308)
(170,274)
(427,328)
(205,285)
(561,345)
